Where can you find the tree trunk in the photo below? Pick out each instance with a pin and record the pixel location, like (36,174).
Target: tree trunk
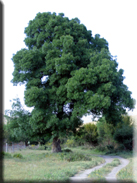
(26,143)
(56,145)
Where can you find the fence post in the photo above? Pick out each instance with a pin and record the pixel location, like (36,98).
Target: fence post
(6,148)
(12,147)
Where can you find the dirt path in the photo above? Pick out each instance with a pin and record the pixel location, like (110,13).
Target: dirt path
(83,176)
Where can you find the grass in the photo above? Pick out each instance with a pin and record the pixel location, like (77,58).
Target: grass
(127,172)
(135,168)
(41,165)
(130,171)
(44,165)
(102,172)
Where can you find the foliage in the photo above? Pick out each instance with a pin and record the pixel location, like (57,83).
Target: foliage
(91,133)
(74,157)
(48,145)
(80,141)
(66,150)
(71,142)
(105,131)
(115,138)
(105,136)
(124,133)
(17,155)
(18,127)
(63,140)
(101,147)
(124,136)
(68,73)
(87,133)
(127,120)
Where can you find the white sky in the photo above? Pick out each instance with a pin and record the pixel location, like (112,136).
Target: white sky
(114,20)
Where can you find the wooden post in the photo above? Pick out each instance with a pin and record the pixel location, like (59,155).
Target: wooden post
(12,147)
(6,148)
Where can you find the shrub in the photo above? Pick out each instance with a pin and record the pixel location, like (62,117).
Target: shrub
(74,157)
(17,155)
(110,147)
(48,145)
(127,120)
(63,140)
(124,133)
(124,136)
(80,141)
(91,133)
(101,148)
(87,134)
(106,132)
(66,150)
(70,143)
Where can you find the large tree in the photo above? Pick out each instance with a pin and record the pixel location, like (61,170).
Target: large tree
(67,73)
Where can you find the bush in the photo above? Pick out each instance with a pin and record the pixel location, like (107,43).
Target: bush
(17,155)
(48,145)
(87,134)
(124,133)
(80,141)
(70,143)
(66,150)
(124,136)
(101,148)
(74,157)
(63,140)
(110,147)
(91,132)
(106,132)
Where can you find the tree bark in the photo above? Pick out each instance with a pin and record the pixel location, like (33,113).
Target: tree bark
(26,143)
(56,145)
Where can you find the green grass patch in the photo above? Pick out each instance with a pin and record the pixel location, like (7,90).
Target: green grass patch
(18,155)
(40,166)
(74,157)
(6,155)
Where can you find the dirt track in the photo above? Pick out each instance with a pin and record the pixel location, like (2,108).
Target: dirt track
(82,176)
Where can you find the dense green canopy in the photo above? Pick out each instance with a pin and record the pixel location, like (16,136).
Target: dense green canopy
(68,73)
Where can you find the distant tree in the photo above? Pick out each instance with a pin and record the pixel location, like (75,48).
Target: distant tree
(88,133)
(124,132)
(18,127)
(67,74)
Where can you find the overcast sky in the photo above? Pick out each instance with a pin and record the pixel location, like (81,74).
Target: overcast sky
(115,20)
